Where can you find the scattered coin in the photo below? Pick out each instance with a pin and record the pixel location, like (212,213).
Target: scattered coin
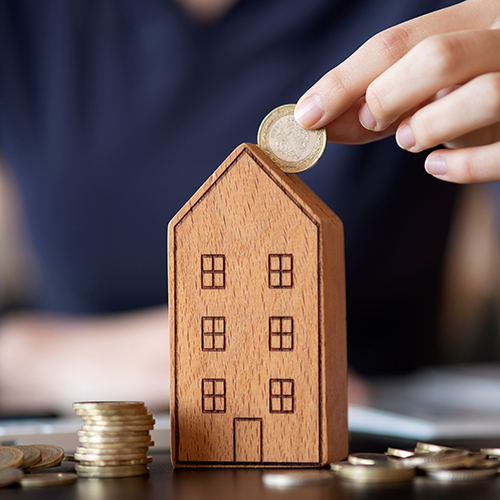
(446,460)
(48,479)
(336,466)
(395,452)
(52,455)
(31,454)
(10,457)
(69,458)
(367,459)
(105,471)
(10,476)
(296,478)
(430,448)
(376,473)
(442,459)
(439,462)
(462,474)
(293,148)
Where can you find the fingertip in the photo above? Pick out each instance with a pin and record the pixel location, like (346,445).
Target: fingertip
(366,118)
(309,111)
(436,165)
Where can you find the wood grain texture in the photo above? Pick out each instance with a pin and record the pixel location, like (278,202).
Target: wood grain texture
(257,322)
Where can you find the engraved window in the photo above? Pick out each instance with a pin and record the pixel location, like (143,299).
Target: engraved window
(281,395)
(213,333)
(213,395)
(213,271)
(280,270)
(280,333)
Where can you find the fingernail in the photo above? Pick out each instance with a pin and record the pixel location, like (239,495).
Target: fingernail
(309,111)
(436,165)
(404,137)
(366,118)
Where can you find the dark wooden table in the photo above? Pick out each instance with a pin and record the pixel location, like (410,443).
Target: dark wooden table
(246,484)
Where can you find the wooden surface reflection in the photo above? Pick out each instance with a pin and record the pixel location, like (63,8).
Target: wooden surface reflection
(165,483)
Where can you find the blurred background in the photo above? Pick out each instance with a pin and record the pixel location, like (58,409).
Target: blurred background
(113,113)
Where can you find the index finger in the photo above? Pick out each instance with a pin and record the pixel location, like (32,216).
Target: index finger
(341,87)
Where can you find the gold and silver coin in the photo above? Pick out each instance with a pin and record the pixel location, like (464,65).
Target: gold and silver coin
(32,455)
(10,457)
(48,479)
(51,456)
(296,478)
(293,148)
(10,476)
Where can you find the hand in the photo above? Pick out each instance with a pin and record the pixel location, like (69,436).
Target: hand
(432,80)
(49,361)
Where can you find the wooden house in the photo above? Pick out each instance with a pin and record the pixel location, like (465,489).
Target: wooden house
(257,322)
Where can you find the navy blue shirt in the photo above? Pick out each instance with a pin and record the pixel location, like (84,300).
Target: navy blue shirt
(113,112)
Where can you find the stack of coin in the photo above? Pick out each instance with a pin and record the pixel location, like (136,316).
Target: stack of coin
(114,439)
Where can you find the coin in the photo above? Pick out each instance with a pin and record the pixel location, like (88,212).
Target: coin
(31,454)
(117,412)
(116,463)
(462,474)
(51,456)
(336,466)
(443,458)
(447,460)
(395,452)
(10,476)
(147,418)
(109,405)
(117,446)
(117,428)
(48,479)
(430,448)
(375,473)
(88,457)
(141,440)
(114,434)
(111,451)
(296,478)
(10,457)
(293,148)
(104,471)
(369,459)
(69,458)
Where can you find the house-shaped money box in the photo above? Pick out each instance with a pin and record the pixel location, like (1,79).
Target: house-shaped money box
(257,322)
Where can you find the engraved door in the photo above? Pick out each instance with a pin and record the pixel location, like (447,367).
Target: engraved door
(247,440)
